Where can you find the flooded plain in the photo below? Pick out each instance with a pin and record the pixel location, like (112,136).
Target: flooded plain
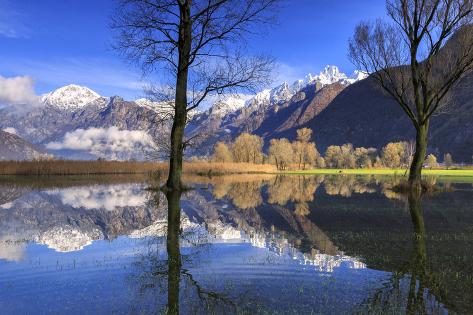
(259,244)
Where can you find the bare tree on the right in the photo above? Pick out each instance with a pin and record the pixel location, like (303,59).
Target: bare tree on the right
(417,58)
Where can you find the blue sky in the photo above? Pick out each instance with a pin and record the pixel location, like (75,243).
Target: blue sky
(59,42)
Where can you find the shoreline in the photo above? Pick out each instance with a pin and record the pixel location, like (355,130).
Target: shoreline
(204,168)
(390,172)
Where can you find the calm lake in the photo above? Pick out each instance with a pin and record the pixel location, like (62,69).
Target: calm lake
(244,244)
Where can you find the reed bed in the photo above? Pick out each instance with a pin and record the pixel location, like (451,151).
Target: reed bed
(214,169)
(68,167)
(65,167)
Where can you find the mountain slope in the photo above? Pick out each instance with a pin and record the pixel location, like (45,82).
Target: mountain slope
(304,106)
(12,147)
(273,111)
(364,116)
(76,122)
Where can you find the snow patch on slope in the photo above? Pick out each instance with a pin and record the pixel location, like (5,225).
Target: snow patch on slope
(229,104)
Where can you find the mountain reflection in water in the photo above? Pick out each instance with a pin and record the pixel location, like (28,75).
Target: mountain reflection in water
(239,244)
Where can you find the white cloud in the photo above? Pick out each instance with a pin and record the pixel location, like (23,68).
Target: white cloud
(107,77)
(7,205)
(17,90)
(10,130)
(105,142)
(103,197)
(12,249)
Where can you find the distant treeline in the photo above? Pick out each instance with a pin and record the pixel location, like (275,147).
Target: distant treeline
(302,154)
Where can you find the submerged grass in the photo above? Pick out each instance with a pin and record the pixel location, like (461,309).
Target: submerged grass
(376,171)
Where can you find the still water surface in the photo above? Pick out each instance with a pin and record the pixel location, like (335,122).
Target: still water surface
(241,244)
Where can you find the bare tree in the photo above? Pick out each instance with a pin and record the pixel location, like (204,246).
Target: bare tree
(281,152)
(448,160)
(248,148)
(222,153)
(417,59)
(305,152)
(200,44)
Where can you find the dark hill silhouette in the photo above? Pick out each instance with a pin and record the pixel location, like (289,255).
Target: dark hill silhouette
(364,116)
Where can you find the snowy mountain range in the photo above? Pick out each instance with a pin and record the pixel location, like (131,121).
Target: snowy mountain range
(282,107)
(76,122)
(285,91)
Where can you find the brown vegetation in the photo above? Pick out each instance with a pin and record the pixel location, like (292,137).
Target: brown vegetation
(247,149)
(65,167)
(211,168)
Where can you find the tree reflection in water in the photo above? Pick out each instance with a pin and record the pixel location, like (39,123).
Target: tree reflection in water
(418,265)
(173,250)
(273,235)
(413,289)
(161,274)
(282,208)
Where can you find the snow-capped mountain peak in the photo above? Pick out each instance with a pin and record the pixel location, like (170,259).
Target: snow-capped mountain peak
(329,75)
(71,97)
(358,76)
(284,92)
(144,102)
(227,105)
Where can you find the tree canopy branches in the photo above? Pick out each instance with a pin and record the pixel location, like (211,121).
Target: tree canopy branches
(148,34)
(417,59)
(421,55)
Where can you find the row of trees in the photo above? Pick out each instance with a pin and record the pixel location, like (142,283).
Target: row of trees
(248,148)
(302,153)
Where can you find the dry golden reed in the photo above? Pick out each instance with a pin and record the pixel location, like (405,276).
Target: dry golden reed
(215,168)
(68,167)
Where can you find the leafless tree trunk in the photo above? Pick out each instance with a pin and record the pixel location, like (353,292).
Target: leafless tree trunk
(200,45)
(417,59)
(173,249)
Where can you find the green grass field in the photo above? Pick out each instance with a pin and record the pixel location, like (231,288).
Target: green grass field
(374,171)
